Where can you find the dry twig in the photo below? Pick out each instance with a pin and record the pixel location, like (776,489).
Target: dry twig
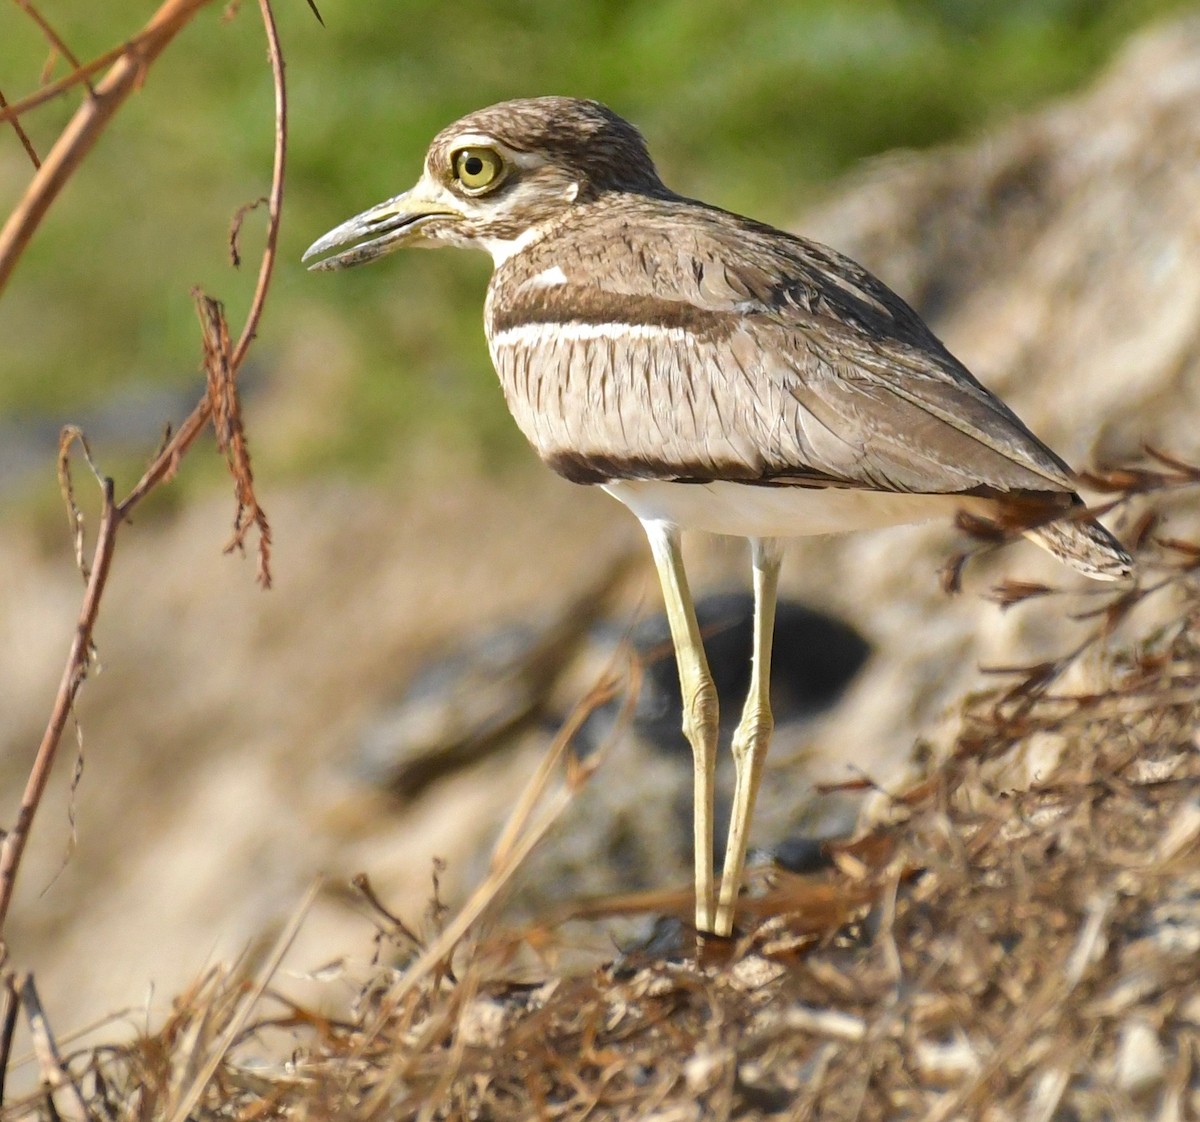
(60,1087)
(22,136)
(226,409)
(74,143)
(86,127)
(57,45)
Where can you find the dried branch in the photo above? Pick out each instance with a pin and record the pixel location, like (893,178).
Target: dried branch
(64,158)
(167,460)
(8,1027)
(275,198)
(64,1094)
(362,884)
(78,661)
(52,37)
(22,136)
(85,128)
(1127,482)
(190,1095)
(72,434)
(60,86)
(231,436)
(235,229)
(537,809)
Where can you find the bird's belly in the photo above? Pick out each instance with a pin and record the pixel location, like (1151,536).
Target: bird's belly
(750,510)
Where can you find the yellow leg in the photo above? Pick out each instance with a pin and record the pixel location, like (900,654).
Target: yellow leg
(699,703)
(753,733)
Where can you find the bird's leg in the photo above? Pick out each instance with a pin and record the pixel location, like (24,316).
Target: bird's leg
(753,733)
(699,703)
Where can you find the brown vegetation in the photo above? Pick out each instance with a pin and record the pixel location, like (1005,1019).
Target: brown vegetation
(1017,936)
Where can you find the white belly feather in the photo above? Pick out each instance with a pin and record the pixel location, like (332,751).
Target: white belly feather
(751,511)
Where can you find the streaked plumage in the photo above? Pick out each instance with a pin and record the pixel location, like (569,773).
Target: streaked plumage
(710,371)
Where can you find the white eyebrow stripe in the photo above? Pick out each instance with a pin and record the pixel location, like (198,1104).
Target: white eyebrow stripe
(535,334)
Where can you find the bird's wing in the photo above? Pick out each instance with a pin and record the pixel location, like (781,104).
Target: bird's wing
(760,356)
(901,416)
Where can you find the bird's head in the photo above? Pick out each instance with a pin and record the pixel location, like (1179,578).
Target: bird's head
(497,177)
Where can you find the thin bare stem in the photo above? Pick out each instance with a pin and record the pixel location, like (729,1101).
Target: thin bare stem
(8,1026)
(23,137)
(52,37)
(64,158)
(63,1095)
(61,85)
(73,676)
(275,199)
(164,464)
(85,128)
(252,996)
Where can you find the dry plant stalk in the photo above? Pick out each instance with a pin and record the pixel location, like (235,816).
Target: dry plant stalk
(535,812)
(202,1066)
(87,125)
(22,136)
(226,409)
(128,65)
(61,1088)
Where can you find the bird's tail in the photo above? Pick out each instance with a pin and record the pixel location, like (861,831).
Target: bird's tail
(1086,546)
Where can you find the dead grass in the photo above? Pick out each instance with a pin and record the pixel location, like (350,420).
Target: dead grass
(1018,936)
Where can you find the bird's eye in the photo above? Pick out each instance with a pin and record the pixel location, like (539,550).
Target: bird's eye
(477,168)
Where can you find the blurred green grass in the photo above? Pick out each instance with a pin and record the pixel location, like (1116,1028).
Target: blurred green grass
(753,107)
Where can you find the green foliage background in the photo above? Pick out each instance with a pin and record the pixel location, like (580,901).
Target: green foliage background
(752,106)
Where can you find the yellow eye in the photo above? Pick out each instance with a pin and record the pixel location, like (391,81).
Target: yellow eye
(477,168)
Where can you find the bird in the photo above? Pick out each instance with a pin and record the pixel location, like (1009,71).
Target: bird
(712,373)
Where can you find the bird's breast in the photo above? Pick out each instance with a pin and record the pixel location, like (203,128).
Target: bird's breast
(606,393)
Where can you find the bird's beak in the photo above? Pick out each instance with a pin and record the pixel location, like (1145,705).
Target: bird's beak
(385,227)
